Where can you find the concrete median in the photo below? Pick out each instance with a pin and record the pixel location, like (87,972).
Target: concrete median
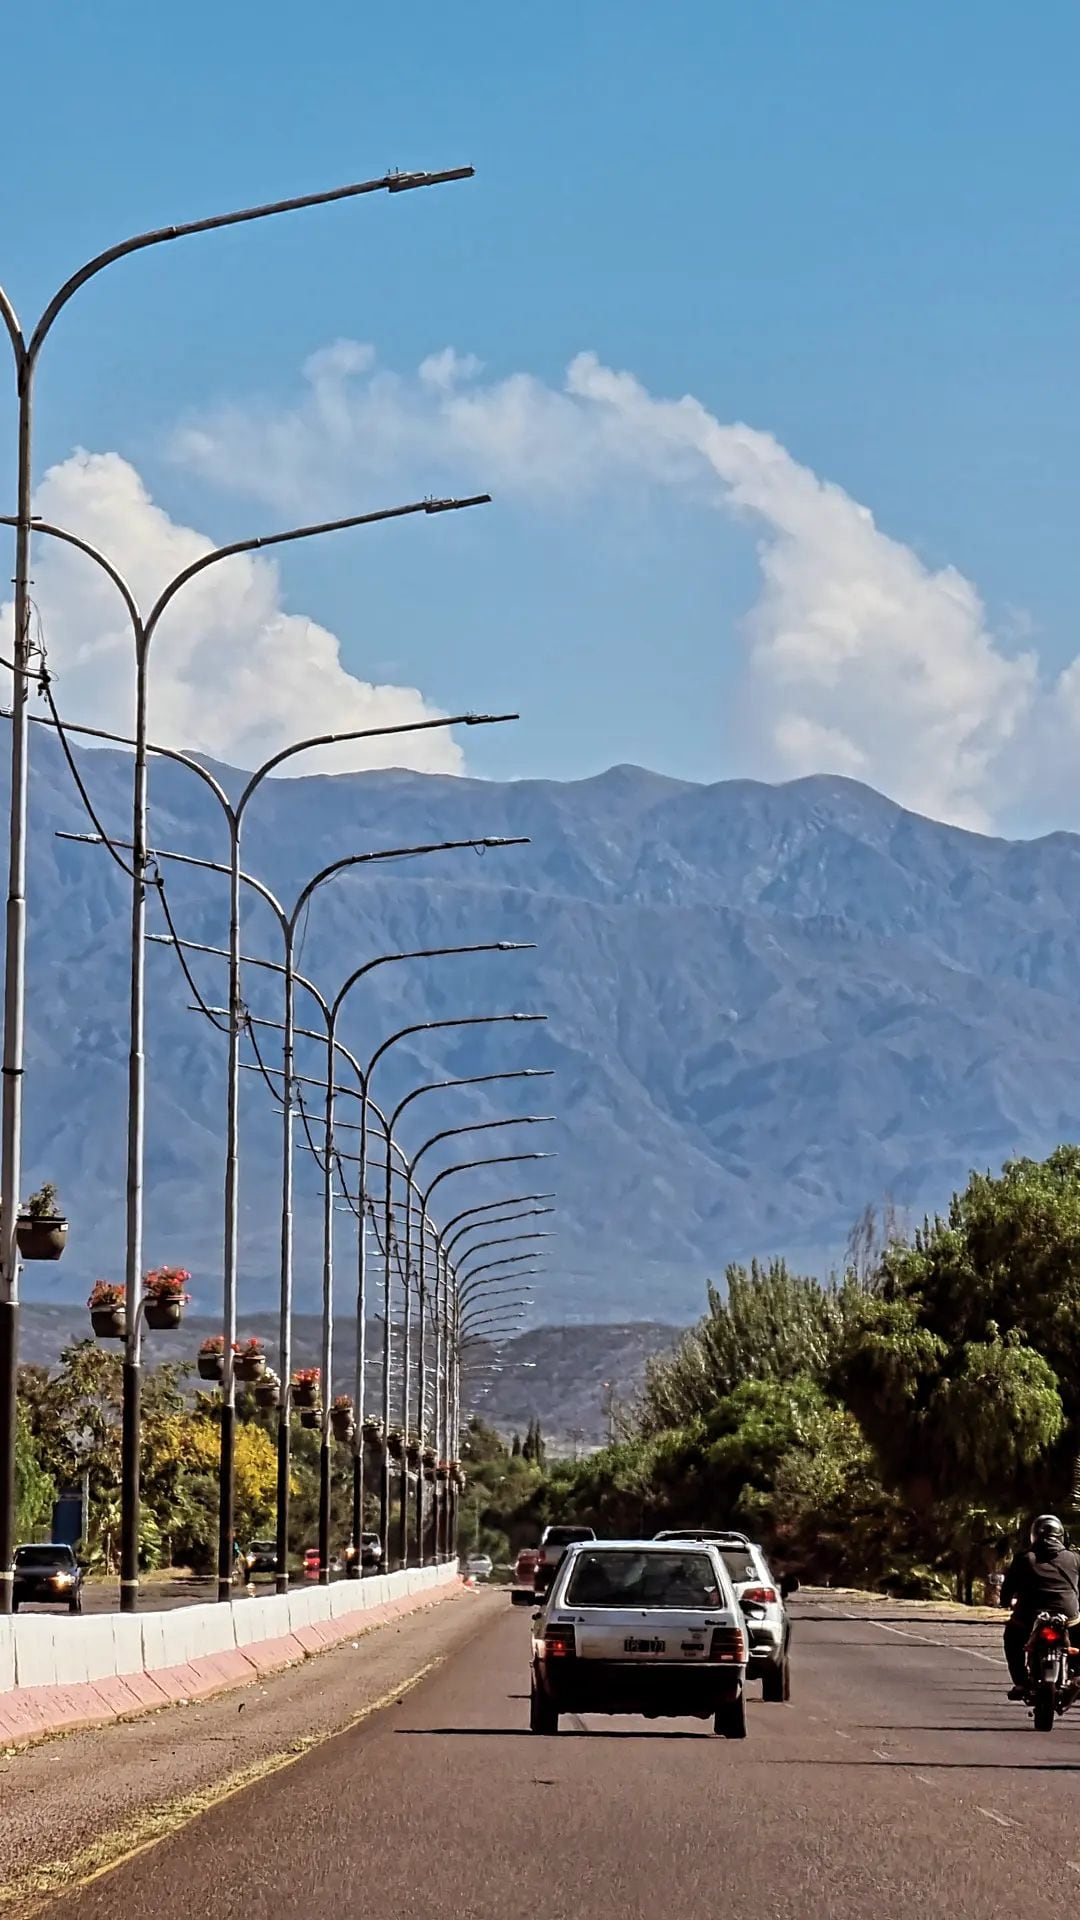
(61,1672)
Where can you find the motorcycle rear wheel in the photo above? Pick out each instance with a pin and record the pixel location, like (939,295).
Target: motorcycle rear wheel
(1044,1707)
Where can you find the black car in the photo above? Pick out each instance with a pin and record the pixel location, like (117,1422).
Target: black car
(261,1557)
(49,1575)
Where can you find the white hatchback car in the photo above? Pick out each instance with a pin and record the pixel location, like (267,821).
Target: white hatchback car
(761,1597)
(637,1626)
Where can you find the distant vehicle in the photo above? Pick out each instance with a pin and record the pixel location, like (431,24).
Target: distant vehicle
(640,1626)
(524,1575)
(370,1552)
(48,1575)
(478,1567)
(761,1597)
(553,1544)
(311,1564)
(261,1557)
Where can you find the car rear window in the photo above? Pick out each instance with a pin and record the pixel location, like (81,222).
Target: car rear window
(619,1579)
(37,1558)
(739,1564)
(565,1536)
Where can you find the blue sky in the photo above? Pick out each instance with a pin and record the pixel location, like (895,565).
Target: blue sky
(851,228)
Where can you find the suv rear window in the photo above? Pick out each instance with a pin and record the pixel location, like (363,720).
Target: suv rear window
(614,1578)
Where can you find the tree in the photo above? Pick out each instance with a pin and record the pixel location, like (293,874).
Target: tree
(35,1489)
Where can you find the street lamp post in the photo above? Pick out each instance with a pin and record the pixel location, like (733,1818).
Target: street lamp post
(26,349)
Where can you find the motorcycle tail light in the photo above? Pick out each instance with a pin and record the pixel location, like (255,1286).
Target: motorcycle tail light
(1049,1633)
(728,1645)
(559,1643)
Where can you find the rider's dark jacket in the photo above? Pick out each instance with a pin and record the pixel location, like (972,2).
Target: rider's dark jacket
(1044,1578)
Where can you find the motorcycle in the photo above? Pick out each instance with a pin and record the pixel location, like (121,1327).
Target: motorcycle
(1053,1670)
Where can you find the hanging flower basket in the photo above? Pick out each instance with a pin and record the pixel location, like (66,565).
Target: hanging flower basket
(40,1228)
(442,1471)
(305,1387)
(268,1391)
(311,1418)
(163,1292)
(249,1361)
(211,1359)
(412,1454)
(344,1427)
(429,1459)
(108,1311)
(395,1444)
(372,1430)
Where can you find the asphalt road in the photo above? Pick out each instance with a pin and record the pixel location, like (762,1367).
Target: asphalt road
(899,1780)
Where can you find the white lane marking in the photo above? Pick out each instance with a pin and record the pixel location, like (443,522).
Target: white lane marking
(1074,1865)
(878,1755)
(929,1783)
(989,1814)
(972,1653)
(841,1735)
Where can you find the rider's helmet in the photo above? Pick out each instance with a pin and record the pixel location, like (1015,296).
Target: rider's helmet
(1047,1527)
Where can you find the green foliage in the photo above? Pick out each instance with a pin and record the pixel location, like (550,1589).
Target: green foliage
(890,1428)
(35,1489)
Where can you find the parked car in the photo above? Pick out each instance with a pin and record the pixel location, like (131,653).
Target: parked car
(640,1626)
(553,1544)
(49,1575)
(761,1597)
(261,1557)
(370,1552)
(478,1567)
(524,1576)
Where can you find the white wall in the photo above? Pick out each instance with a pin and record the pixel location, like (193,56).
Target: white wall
(50,1650)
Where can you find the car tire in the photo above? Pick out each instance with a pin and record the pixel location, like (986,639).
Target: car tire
(729,1720)
(776,1681)
(543,1717)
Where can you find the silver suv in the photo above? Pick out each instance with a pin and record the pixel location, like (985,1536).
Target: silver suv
(761,1598)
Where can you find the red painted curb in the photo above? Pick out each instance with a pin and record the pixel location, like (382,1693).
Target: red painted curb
(29,1714)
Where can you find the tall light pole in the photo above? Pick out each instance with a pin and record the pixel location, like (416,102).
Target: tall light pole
(446,1133)
(288,921)
(26,349)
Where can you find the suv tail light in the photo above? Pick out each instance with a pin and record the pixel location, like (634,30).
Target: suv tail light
(728,1645)
(759,1596)
(559,1643)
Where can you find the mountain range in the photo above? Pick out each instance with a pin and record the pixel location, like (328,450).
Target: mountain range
(766,1007)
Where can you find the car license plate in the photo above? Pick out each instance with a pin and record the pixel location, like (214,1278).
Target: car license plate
(645,1646)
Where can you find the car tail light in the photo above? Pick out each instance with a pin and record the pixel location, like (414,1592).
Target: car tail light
(759,1596)
(728,1645)
(559,1643)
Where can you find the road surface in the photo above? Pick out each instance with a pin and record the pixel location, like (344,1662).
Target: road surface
(899,1781)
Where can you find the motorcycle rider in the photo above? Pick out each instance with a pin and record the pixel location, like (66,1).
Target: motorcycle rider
(1043,1578)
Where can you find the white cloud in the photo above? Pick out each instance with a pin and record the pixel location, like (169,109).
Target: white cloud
(859,658)
(232,674)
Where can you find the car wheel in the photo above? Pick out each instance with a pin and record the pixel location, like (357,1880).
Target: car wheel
(730,1719)
(543,1717)
(776,1681)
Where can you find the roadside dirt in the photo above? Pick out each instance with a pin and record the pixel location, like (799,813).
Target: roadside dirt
(76,1803)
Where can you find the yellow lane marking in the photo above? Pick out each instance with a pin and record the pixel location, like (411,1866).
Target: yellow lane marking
(33,1891)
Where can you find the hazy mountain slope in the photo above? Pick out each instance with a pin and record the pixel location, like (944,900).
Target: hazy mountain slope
(766,1006)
